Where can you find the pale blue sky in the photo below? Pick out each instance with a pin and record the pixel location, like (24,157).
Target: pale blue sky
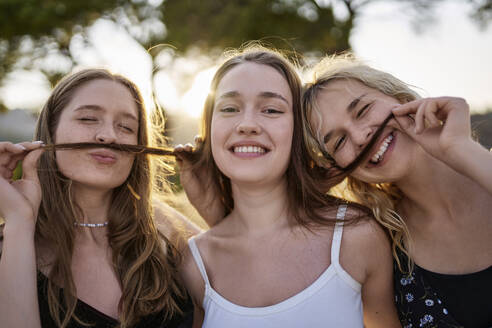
(451,57)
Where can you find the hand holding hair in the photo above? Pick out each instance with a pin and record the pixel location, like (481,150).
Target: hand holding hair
(190,154)
(447,136)
(441,126)
(20,198)
(198,184)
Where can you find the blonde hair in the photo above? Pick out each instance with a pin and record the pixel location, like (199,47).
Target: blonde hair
(380,198)
(147,271)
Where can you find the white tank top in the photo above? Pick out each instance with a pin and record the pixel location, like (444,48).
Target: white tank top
(332,300)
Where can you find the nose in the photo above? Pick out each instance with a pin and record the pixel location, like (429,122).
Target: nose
(248,124)
(362,136)
(106,134)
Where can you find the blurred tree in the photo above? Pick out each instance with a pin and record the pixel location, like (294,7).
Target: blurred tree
(33,30)
(482,12)
(482,128)
(303,25)
(296,24)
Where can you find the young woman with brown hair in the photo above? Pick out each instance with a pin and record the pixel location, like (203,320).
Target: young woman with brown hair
(423,176)
(84,219)
(277,259)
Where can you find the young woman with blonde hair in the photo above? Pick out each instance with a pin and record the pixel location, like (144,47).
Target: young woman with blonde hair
(84,219)
(423,176)
(278,258)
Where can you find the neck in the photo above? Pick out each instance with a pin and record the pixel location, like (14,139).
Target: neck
(95,205)
(431,189)
(260,210)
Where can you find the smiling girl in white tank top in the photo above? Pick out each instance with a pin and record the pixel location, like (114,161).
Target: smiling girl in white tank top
(277,259)
(333,299)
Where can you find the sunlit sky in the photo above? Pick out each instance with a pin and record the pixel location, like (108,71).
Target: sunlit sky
(450,57)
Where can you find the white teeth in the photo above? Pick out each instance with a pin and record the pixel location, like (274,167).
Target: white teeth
(384,146)
(249,149)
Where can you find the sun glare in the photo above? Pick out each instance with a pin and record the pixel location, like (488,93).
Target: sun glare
(192,101)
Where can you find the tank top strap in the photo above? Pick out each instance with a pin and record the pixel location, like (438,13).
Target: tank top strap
(337,235)
(198,259)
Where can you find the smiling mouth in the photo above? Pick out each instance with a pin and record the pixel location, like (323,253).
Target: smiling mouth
(249,149)
(378,157)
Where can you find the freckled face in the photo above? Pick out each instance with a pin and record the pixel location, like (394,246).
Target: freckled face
(252,124)
(100,111)
(350,114)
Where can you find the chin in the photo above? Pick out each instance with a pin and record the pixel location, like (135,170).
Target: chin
(99,182)
(97,186)
(254,178)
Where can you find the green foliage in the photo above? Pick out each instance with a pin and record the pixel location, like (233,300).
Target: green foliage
(17,174)
(31,29)
(482,128)
(299,24)
(39,18)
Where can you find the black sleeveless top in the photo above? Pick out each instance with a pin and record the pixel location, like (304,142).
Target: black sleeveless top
(97,319)
(429,299)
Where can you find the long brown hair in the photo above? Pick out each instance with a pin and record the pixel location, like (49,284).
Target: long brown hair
(146,270)
(308,204)
(381,198)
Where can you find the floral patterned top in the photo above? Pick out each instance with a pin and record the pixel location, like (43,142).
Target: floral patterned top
(420,304)
(417,304)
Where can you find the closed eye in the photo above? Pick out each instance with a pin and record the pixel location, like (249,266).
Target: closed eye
(126,128)
(272,111)
(339,142)
(363,110)
(228,110)
(87,119)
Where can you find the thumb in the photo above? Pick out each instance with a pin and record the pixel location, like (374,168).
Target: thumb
(30,165)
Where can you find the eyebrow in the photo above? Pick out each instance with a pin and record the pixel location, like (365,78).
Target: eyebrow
(99,108)
(353,104)
(269,94)
(230,94)
(265,94)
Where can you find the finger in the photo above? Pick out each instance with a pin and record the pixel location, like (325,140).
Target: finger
(14,160)
(8,153)
(419,118)
(5,173)
(30,165)
(407,108)
(11,162)
(188,147)
(407,124)
(12,148)
(449,105)
(31,145)
(430,114)
(198,139)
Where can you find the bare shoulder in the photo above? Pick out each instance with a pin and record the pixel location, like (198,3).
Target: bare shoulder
(174,225)
(366,231)
(365,247)
(191,276)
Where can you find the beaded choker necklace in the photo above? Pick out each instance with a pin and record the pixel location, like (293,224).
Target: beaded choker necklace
(90,225)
